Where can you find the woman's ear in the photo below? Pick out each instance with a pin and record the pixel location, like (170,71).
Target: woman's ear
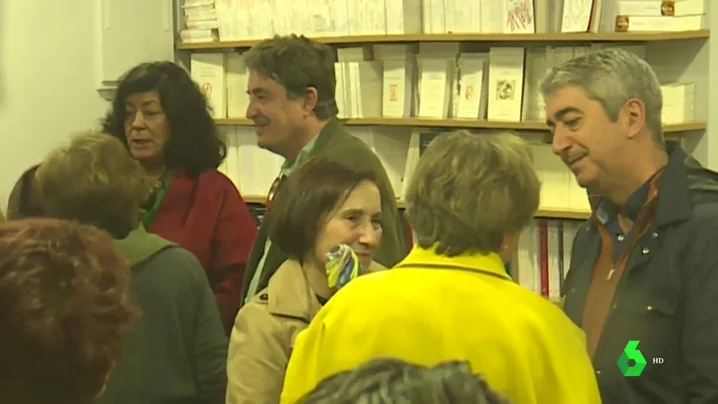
(509,246)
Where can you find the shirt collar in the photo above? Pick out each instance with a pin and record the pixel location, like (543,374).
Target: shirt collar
(491,262)
(607,210)
(289,167)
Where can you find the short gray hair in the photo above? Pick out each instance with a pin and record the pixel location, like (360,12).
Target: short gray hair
(612,77)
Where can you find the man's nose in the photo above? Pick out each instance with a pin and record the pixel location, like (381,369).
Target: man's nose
(252,111)
(560,141)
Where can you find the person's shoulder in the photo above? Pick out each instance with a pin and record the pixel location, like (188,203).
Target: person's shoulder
(367,291)
(356,145)
(255,315)
(702,183)
(256,310)
(259,301)
(704,196)
(537,313)
(376,276)
(365,297)
(215,177)
(178,254)
(178,265)
(703,188)
(343,140)
(548,337)
(216,183)
(172,278)
(389,281)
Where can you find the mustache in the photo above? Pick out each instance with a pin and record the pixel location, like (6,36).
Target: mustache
(573,154)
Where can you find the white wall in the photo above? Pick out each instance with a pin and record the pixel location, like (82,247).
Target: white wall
(46,80)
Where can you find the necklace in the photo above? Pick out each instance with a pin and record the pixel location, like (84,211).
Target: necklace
(152,192)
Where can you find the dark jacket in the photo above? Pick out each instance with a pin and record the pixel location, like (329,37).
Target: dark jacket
(178,350)
(666,298)
(336,141)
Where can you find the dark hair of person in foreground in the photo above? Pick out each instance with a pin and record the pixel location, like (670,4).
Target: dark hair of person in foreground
(393,381)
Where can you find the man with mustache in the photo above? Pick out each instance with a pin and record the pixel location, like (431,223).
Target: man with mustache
(644,267)
(292,103)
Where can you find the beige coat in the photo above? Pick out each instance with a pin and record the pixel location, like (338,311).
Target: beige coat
(264,333)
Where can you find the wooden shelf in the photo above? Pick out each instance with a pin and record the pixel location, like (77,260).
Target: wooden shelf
(462,123)
(570,214)
(509,38)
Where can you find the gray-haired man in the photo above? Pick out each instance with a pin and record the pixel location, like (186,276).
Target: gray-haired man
(644,269)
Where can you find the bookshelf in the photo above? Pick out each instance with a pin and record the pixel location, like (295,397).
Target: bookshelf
(517,39)
(680,56)
(679,129)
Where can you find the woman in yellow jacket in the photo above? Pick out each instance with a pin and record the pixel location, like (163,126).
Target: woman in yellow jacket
(451,298)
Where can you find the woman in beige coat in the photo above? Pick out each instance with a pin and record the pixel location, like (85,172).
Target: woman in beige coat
(325,203)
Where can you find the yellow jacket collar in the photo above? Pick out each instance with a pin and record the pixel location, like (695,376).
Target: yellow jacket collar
(491,262)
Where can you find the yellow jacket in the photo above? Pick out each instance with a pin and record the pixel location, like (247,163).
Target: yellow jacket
(432,308)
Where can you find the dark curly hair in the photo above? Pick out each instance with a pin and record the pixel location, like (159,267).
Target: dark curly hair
(65,305)
(195,144)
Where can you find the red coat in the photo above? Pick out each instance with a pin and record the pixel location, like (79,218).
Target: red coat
(208,217)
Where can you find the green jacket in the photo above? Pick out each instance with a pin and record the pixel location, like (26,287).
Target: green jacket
(140,245)
(177,352)
(336,141)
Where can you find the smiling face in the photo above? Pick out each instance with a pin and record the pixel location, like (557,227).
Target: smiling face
(584,137)
(146,127)
(356,222)
(279,120)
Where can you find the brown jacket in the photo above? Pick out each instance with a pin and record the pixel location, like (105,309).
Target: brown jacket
(264,333)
